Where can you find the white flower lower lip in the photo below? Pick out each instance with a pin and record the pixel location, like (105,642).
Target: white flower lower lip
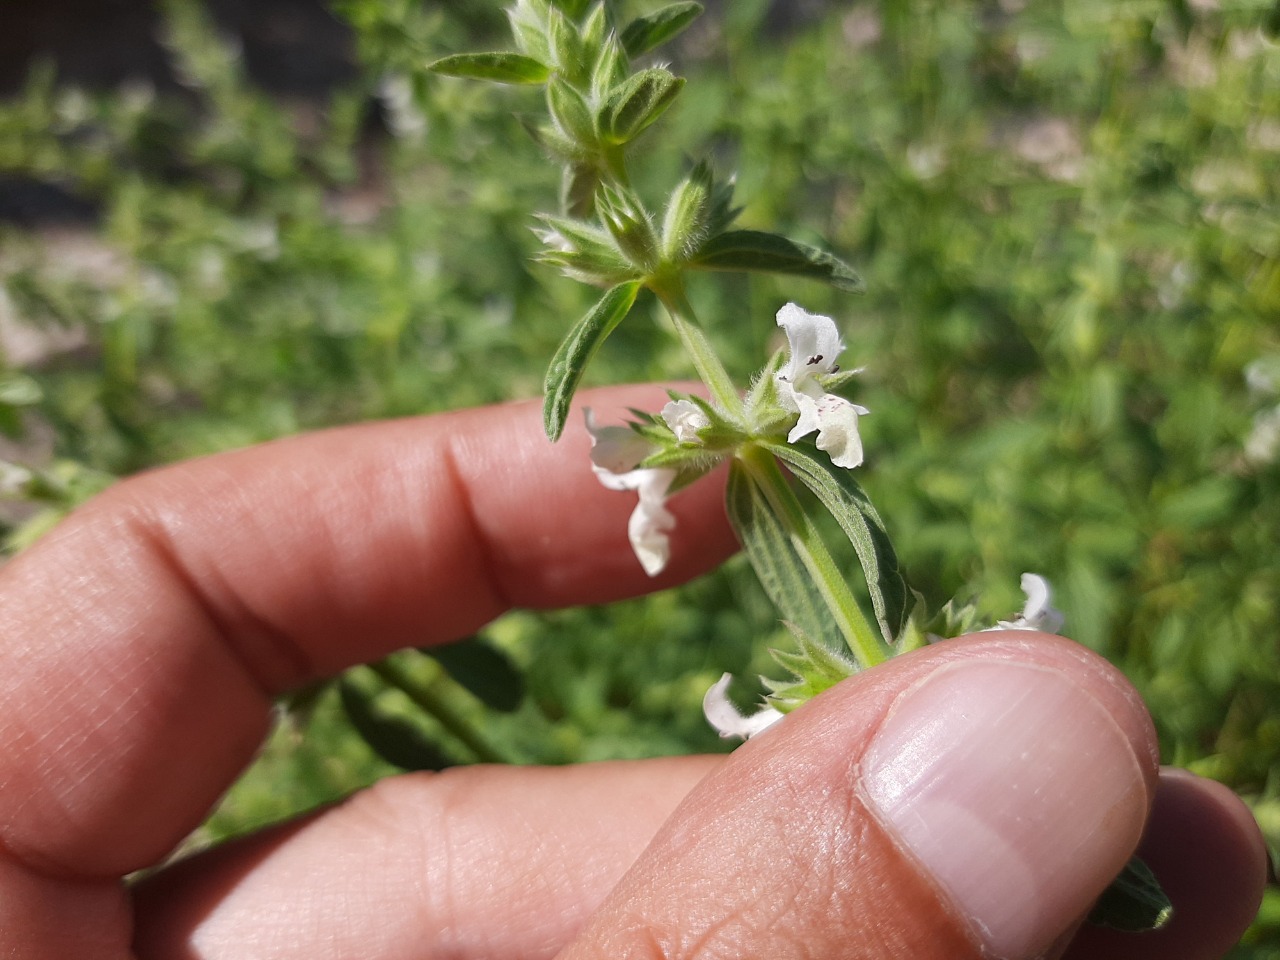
(615,455)
(725,718)
(650,521)
(815,347)
(1038,613)
(836,420)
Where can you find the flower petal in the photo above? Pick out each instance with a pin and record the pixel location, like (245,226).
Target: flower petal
(1038,613)
(651,521)
(836,420)
(615,449)
(725,718)
(838,430)
(814,340)
(807,404)
(685,419)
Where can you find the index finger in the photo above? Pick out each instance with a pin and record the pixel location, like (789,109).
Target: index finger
(146,636)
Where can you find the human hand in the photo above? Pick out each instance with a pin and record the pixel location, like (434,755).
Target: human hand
(145,638)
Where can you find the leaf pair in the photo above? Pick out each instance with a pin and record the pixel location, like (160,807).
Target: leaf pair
(639,37)
(482,670)
(782,571)
(746,250)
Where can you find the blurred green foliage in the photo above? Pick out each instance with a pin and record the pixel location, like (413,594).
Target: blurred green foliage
(1066,214)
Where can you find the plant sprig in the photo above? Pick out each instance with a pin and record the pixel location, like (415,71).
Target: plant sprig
(599,103)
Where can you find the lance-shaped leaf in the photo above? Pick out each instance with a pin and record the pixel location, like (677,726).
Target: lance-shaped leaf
(815,668)
(638,102)
(571,8)
(595,29)
(499,67)
(645,33)
(761,252)
(775,560)
(576,351)
(393,738)
(611,67)
(684,222)
(483,670)
(630,225)
(570,112)
(845,500)
(1134,902)
(583,251)
(528,20)
(568,49)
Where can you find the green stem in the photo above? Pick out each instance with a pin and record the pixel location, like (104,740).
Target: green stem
(614,160)
(862,639)
(705,359)
(426,696)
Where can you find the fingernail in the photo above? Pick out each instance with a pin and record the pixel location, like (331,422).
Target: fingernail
(1014,789)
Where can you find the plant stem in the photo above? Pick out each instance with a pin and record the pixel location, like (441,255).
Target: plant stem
(426,696)
(615,162)
(705,359)
(863,641)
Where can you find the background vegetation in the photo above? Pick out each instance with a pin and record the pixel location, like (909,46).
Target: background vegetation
(1066,213)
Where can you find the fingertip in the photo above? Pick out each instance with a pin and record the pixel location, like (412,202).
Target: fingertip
(1205,848)
(970,799)
(1015,787)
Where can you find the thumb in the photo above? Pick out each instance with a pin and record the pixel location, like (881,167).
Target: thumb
(970,799)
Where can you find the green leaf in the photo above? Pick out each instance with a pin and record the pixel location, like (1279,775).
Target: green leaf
(637,103)
(815,666)
(571,8)
(769,253)
(584,251)
(845,500)
(484,670)
(594,30)
(958,616)
(570,112)
(684,221)
(528,20)
(1134,902)
(645,33)
(568,49)
(499,67)
(575,352)
(394,739)
(630,226)
(774,558)
(610,69)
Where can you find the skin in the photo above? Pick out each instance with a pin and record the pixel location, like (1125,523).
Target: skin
(145,638)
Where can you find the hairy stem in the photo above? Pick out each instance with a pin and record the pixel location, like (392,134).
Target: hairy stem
(863,641)
(427,697)
(705,359)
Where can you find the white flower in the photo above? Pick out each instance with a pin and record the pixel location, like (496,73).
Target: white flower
(1038,613)
(13,479)
(725,718)
(615,454)
(397,96)
(685,419)
(815,345)
(1262,446)
(615,449)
